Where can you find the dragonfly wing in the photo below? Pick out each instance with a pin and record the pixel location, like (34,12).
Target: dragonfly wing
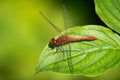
(56,66)
(67,19)
(69,58)
(68,23)
(58,57)
(53,25)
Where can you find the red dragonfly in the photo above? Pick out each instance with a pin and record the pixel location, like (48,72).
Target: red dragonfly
(64,39)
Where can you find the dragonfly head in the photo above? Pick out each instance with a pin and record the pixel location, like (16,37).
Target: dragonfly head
(52,43)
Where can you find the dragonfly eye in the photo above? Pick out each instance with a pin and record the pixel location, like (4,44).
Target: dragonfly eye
(53,41)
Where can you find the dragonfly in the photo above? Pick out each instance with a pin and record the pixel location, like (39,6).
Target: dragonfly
(64,39)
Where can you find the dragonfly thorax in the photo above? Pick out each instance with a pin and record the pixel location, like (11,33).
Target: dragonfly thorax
(58,42)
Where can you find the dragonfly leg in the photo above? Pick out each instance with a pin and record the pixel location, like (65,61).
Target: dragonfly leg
(61,49)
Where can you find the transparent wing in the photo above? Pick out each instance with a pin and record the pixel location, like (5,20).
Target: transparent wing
(69,58)
(53,25)
(56,57)
(67,19)
(68,23)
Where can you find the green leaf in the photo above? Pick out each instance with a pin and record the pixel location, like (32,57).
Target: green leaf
(109,12)
(89,58)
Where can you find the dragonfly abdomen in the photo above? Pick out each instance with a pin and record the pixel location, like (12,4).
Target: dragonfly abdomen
(65,39)
(88,38)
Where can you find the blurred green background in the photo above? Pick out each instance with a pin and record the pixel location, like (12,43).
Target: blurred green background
(24,33)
